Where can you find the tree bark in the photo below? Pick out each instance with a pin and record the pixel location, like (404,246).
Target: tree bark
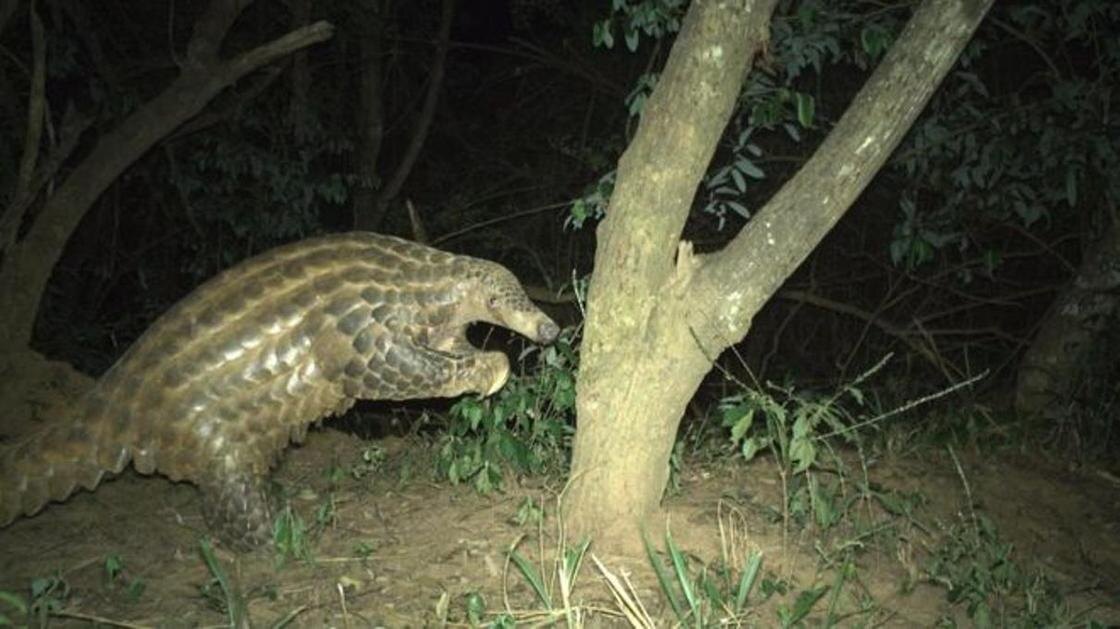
(27,263)
(655,323)
(371,110)
(1060,351)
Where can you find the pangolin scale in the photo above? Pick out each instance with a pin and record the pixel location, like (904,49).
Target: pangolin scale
(218,386)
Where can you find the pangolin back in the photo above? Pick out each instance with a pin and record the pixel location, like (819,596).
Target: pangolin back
(230,366)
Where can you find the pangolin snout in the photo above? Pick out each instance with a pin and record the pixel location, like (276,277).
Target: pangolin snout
(547,331)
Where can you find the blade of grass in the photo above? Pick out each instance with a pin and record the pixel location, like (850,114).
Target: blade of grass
(663,580)
(533,577)
(747,580)
(680,567)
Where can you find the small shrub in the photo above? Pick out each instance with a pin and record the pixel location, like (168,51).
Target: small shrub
(704,596)
(976,567)
(525,428)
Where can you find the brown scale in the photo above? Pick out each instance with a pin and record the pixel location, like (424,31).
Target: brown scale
(220,384)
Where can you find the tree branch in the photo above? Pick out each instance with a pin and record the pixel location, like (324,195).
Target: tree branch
(370,114)
(427,112)
(209,31)
(794,221)
(870,318)
(28,263)
(246,62)
(73,126)
(231,105)
(36,110)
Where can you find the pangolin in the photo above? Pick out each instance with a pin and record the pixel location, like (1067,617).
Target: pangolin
(218,386)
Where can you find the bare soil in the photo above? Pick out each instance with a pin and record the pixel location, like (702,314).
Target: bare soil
(399,543)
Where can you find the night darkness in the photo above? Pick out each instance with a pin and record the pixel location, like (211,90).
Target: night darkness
(147,147)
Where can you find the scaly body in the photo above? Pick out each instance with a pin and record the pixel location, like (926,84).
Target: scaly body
(219,385)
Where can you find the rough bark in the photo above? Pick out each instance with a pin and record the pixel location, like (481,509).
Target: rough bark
(27,263)
(637,370)
(655,323)
(1060,351)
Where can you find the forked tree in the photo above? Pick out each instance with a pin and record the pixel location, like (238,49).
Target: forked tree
(45,208)
(659,314)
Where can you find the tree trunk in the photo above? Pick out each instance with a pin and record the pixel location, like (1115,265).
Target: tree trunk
(27,263)
(656,322)
(392,187)
(1059,353)
(371,114)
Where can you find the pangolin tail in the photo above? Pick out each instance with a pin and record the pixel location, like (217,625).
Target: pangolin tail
(52,463)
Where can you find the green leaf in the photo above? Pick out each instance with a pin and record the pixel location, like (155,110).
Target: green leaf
(824,508)
(473,413)
(749,168)
(113,566)
(601,34)
(632,40)
(805,602)
(738,208)
(751,447)
(803,453)
(731,413)
(663,580)
(740,183)
(892,503)
(135,589)
(515,450)
(747,580)
(870,40)
(573,559)
(806,109)
(680,568)
(982,616)
(476,608)
(15,602)
(529,571)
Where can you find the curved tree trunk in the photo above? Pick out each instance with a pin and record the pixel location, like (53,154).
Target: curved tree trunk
(28,262)
(656,321)
(1054,361)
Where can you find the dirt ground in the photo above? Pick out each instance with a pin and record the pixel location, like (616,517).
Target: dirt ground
(403,551)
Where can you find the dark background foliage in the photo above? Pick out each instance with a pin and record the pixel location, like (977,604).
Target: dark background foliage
(950,259)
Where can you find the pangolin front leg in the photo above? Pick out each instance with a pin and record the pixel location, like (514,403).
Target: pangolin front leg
(236,502)
(396,366)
